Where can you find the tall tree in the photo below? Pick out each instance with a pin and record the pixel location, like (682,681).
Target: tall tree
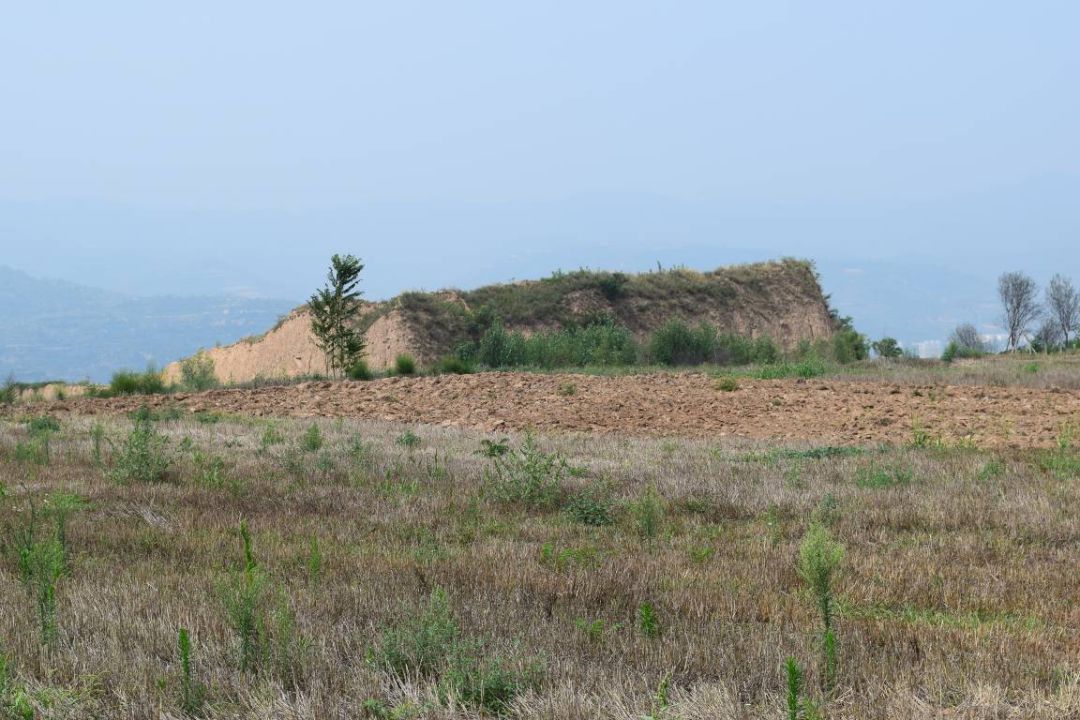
(1017,292)
(334,310)
(1063,305)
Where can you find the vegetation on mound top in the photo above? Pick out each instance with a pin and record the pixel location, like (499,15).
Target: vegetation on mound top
(581,298)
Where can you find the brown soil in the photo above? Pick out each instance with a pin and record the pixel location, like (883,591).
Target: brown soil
(824,412)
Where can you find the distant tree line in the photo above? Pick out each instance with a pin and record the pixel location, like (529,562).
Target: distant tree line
(1046,326)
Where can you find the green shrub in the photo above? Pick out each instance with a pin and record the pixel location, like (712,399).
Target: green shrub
(43,567)
(264,624)
(596,344)
(794,689)
(421,644)
(210,471)
(727,384)
(879,477)
(35,451)
(429,644)
(676,343)
(271,436)
(483,680)
(407,439)
(955,351)
(197,372)
(528,476)
(809,367)
(494,348)
(126,382)
(9,391)
(312,440)
(168,412)
(819,561)
(42,424)
(404,365)
(849,346)
(591,506)
(612,285)
(453,365)
(360,371)
(191,692)
(494,448)
(244,601)
(60,505)
(648,621)
(648,513)
(142,457)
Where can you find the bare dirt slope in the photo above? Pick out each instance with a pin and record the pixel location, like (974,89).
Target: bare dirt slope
(780,300)
(289,350)
(832,412)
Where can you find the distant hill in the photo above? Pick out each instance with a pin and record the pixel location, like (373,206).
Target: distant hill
(52,329)
(781,300)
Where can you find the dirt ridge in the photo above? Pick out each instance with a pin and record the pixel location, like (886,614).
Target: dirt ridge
(691,405)
(782,300)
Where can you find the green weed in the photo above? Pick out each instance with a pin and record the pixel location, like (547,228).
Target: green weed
(648,513)
(591,506)
(192,693)
(312,440)
(648,622)
(527,476)
(819,561)
(142,458)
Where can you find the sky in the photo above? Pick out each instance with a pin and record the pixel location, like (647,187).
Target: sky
(910,148)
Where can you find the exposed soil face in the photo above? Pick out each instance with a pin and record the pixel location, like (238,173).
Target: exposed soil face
(692,405)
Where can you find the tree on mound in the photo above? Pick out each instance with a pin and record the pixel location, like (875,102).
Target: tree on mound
(333,313)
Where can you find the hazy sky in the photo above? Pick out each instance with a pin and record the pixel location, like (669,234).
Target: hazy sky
(232,146)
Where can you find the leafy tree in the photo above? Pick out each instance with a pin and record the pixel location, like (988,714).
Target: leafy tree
(888,348)
(1020,308)
(334,309)
(848,345)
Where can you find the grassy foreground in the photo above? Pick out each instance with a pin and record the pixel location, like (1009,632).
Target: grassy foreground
(373,570)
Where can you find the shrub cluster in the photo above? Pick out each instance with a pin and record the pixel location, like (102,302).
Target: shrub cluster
(9,392)
(596,344)
(127,382)
(197,372)
(143,457)
(676,343)
(404,364)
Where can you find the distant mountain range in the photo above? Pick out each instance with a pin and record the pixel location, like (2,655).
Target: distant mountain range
(52,329)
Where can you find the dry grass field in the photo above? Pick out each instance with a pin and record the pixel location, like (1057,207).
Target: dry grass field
(411,571)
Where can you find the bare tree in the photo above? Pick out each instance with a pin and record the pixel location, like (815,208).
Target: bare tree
(1047,337)
(1017,292)
(967,337)
(1063,305)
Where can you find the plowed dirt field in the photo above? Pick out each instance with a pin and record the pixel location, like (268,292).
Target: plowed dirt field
(692,405)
